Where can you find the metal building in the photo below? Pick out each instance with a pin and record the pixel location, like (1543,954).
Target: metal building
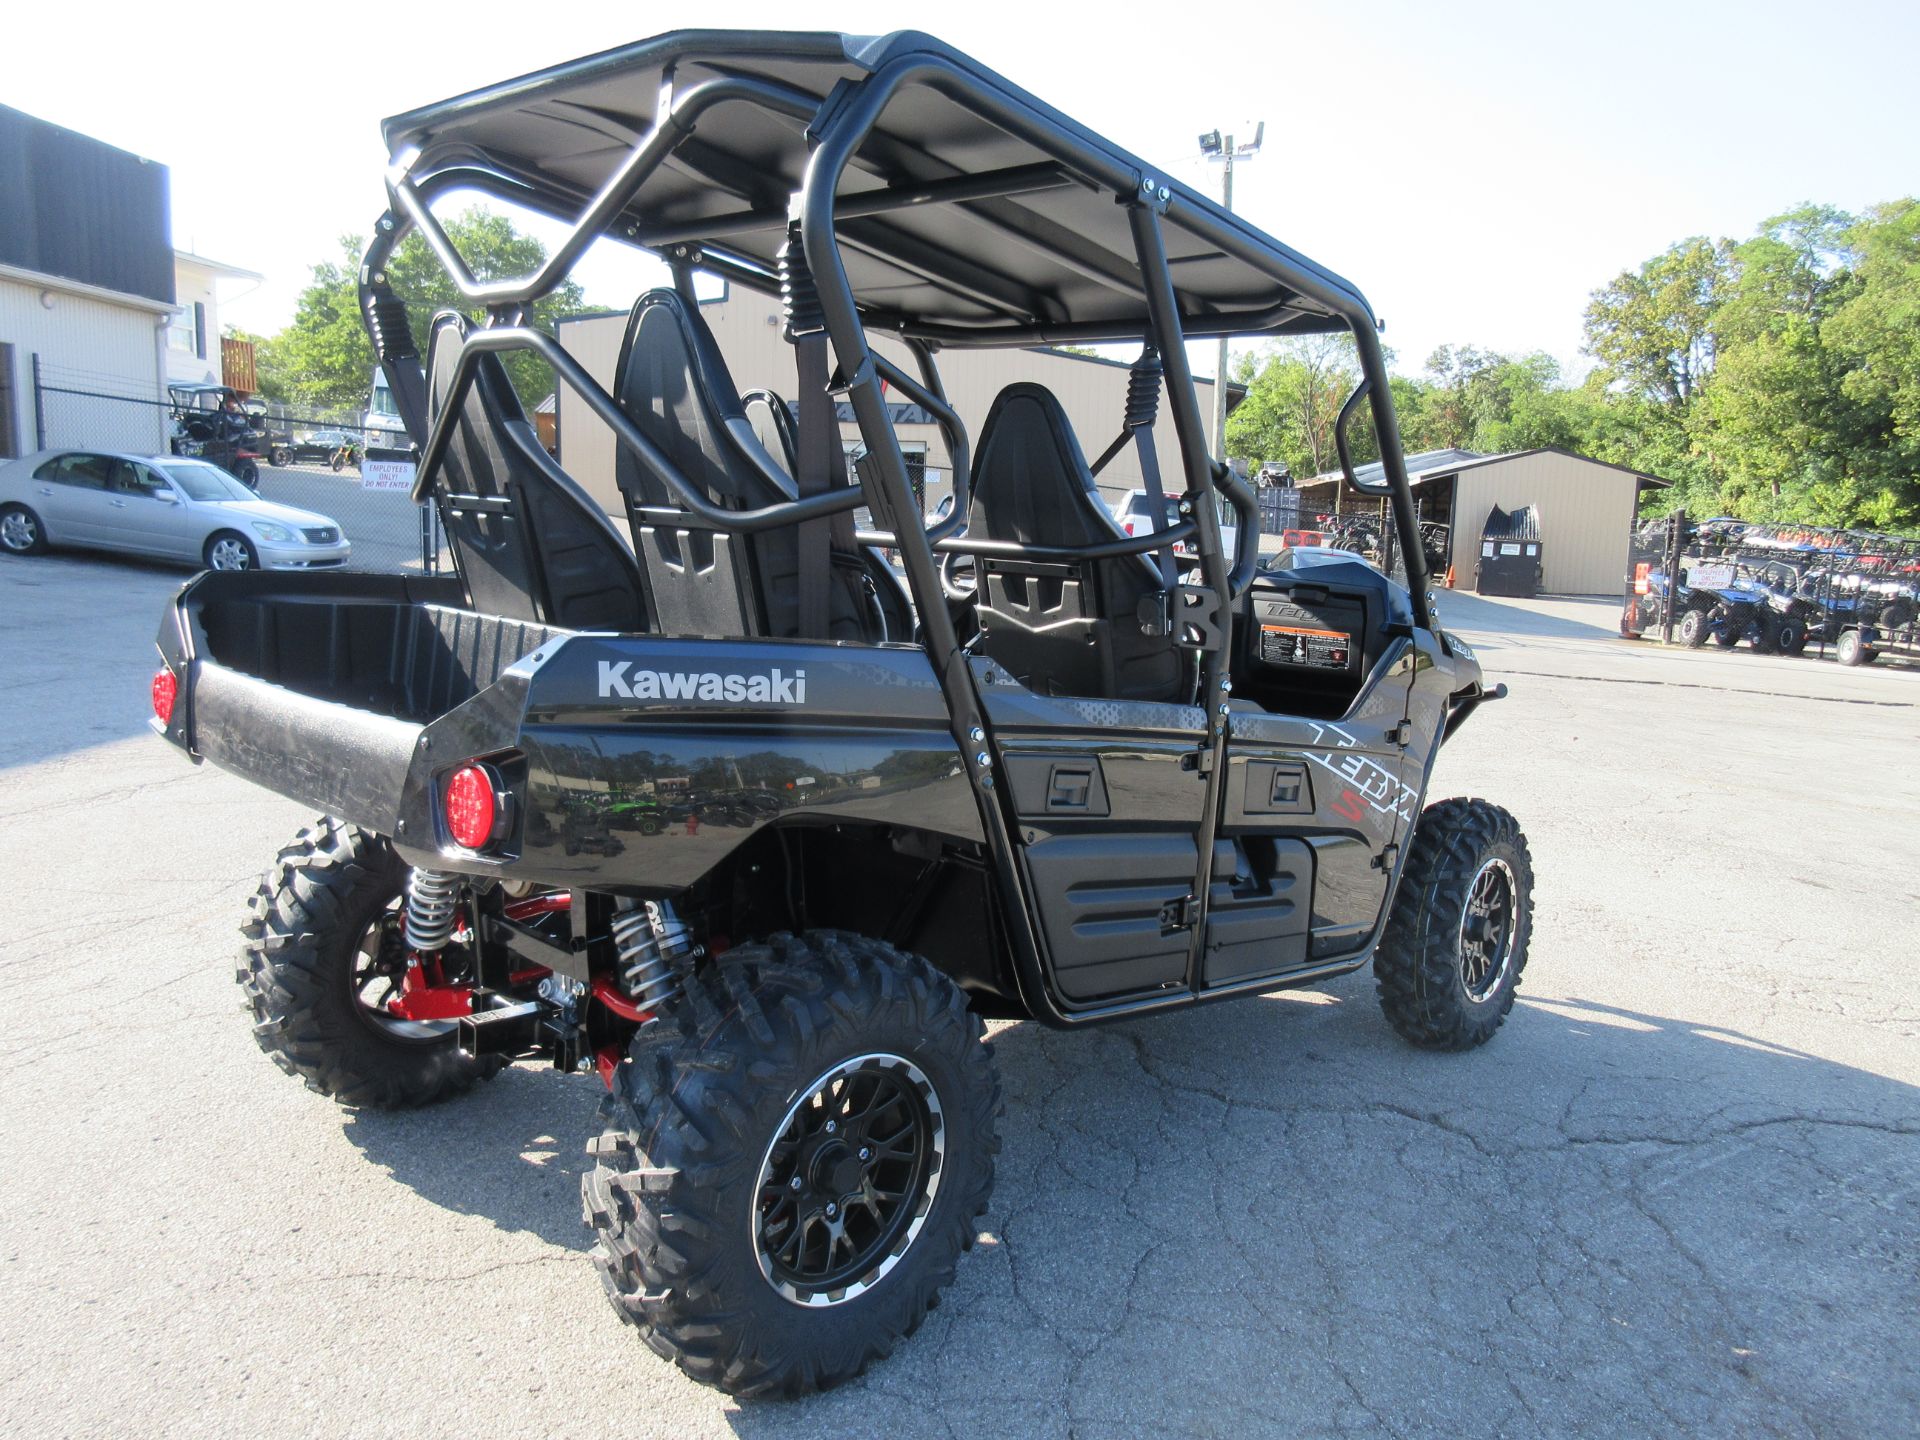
(1592,504)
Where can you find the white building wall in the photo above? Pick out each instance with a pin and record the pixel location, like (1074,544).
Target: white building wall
(192,283)
(85,342)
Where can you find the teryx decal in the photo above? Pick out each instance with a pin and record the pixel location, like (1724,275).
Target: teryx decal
(770,687)
(1379,787)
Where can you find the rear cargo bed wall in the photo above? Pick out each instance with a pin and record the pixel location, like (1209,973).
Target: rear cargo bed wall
(410,661)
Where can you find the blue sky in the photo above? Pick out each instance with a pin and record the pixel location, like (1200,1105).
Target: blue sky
(1477,167)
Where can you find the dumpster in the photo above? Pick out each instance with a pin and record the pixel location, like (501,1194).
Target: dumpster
(1510,559)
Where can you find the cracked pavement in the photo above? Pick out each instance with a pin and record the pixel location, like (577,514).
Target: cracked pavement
(1675,1196)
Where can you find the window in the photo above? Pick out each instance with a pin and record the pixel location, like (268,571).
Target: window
(83,472)
(187,334)
(9,439)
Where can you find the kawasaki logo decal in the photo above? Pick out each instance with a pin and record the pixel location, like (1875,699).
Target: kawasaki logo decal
(773,687)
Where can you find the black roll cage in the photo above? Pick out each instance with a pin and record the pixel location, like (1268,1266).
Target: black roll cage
(836,126)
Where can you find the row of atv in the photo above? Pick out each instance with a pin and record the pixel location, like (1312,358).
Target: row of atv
(1778,590)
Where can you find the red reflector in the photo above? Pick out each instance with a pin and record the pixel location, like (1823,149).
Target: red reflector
(165,687)
(470,806)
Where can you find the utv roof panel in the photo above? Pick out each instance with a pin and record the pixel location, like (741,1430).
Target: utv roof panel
(971,209)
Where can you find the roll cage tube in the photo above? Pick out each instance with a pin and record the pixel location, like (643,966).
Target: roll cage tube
(1413,553)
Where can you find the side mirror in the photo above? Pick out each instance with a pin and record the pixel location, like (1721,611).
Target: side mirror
(1347,412)
(166,495)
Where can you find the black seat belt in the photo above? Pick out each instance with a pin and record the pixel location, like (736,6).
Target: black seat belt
(819,451)
(1143,403)
(822,462)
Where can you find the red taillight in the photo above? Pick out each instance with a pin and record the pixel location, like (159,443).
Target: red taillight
(165,687)
(472,808)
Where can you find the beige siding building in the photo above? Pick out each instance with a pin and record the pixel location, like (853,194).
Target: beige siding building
(746,325)
(1586,509)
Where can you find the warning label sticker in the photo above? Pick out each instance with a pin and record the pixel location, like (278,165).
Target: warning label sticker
(1292,645)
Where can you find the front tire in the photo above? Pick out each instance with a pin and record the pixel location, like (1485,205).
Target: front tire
(1456,942)
(21,532)
(791,1162)
(302,965)
(230,550)
(1693,629)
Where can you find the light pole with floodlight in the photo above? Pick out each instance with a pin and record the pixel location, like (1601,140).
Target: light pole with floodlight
(1223,150)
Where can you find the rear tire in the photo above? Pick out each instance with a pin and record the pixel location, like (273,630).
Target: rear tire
(690,1194)
(1456,942)
(1790,637)
(297,968)
(1693,629)
(21,532)
(248,474)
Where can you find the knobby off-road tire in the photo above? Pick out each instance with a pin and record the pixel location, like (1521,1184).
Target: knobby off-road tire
(1733,627)
(1456,941)
(1692,629)
(688,1190)
(301,945)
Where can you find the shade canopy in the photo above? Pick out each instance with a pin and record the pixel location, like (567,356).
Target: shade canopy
(969,211)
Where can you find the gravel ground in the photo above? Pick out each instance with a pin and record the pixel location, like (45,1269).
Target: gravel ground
(1675,1196)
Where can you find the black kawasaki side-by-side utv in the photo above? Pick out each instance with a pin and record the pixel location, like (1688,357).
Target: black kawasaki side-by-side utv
(704,799)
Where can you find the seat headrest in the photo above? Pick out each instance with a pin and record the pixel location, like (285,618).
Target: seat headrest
(1029,473)
(673,384)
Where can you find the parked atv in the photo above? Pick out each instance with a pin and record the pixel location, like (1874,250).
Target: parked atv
(1040,778)
(213,423)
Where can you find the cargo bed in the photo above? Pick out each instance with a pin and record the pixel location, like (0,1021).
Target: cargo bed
(361,662)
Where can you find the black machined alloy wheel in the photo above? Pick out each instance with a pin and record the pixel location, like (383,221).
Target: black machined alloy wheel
(1456,941)
(792,1159)
(322,953)
(1489,925)
(849,1179)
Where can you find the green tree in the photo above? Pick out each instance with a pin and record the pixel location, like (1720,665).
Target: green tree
(324,359)
(1652,329)
(1874,337)
(1295,389)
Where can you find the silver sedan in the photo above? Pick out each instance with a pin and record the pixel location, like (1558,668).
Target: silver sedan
(165,506)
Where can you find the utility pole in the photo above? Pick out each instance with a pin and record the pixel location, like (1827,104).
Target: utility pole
(1223,149)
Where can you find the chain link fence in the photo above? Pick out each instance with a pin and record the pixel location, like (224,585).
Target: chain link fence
(310,460)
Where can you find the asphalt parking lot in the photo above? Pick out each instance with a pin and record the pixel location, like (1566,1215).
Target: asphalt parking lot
(1675,1196)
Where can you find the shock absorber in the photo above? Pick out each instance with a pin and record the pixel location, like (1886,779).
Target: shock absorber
(656,949)
(432,903)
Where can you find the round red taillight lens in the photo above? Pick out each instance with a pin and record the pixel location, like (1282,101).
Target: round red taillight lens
(165,687)
(472,807)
